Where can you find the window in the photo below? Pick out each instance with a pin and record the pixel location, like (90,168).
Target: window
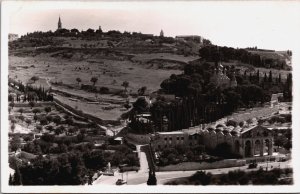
(170,138)
(166,139)
(177,138)
(182,138)
(190,137)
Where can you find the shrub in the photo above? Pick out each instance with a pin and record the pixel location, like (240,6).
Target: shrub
(104,90)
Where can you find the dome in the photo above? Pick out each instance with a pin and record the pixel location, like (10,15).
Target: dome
(234,133)
(210,129)
(237,128)
(221,125)
(219,129)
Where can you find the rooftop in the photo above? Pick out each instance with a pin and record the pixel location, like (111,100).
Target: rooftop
(170,133)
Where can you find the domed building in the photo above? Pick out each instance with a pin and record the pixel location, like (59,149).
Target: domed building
(221,79)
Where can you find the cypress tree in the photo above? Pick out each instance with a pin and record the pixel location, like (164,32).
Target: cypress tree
(152,179)
(265,77)
(10,182)
(17,176)
(270,76)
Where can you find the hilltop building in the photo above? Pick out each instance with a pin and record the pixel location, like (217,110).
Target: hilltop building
(161,34)
(12,37)
(59,25)
(194,38)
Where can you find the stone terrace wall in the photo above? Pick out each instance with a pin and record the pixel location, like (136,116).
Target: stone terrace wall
(203,165)
(82,114)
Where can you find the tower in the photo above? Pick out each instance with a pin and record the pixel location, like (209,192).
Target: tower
(161,33)
(59,24)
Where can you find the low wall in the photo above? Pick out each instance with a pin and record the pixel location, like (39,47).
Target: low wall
(142,139)
(85,115)
(39,103)
(203,165)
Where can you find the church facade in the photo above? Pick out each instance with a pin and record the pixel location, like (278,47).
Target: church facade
(253,141)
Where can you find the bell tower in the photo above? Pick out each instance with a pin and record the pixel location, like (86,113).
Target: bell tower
(59,24)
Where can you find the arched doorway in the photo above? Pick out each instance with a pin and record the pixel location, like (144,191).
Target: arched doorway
(248,148)
(257,147)
(237,147)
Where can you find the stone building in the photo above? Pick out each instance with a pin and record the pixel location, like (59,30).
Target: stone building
(221,79)
(247,142)
(194,38)
(12,37)
(175,138)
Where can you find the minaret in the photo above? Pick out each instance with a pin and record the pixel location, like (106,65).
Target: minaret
(59,24)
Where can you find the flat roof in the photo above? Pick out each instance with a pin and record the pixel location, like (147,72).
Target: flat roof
(170,133)
(118,138)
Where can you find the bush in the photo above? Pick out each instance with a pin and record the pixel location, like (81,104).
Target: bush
(104,90)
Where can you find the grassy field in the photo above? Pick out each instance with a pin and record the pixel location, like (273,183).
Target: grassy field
(110,73)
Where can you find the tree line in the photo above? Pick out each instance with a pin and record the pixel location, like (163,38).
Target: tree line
(226,54)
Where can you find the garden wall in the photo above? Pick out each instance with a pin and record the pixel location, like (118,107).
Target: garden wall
(142,139)
(202,165)
(85,115)
(36,104)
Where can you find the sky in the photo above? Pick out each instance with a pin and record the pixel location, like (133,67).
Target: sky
(267,24)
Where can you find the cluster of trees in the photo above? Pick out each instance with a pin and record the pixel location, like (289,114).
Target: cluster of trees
(283,138)
(202,101)
(216,53)
(72,166)
(238,177)
(30,93)
(180,154)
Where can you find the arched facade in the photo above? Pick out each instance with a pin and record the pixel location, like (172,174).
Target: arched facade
(252,142)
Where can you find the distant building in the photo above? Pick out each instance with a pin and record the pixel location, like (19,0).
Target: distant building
(12,37)
(221,79)
(174,138)
(275,99)
(161,33)
(59,25)
(185,38)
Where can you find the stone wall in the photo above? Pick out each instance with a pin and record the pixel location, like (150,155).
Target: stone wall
(85,115)
(185,166)
(142,139)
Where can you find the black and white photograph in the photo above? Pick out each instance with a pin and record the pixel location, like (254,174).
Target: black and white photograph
(151,94)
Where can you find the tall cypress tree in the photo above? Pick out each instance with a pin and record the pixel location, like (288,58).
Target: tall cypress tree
(10,182)
(17,176)
(265,77)
(270,76)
